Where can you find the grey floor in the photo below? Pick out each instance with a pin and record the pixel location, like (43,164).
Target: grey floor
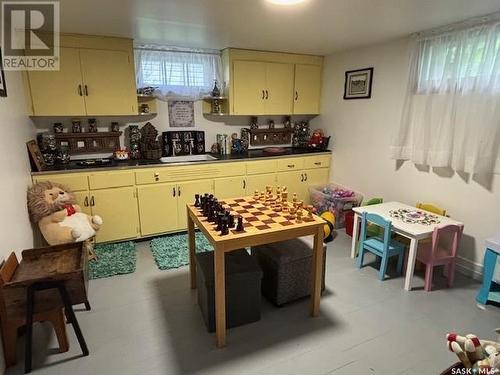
(148,322)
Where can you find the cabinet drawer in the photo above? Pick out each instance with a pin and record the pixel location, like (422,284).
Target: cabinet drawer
(263,166)
(74,182)
(290,164)
(111,180)
(194,172)
(320,161)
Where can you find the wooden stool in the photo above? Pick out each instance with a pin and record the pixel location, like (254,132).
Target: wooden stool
(490,290)
(11,322)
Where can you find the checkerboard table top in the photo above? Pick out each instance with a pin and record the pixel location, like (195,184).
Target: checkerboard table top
(258,219)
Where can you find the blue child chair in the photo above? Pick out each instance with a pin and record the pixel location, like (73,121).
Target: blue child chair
(383,247)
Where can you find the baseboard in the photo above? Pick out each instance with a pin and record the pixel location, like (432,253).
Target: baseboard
(469,268)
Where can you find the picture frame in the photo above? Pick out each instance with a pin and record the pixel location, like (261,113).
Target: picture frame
(181,113)
(36,156)
(3,85)
(358,84)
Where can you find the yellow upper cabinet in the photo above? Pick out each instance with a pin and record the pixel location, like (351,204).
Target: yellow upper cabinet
(58,92)
(109,84)
(96,78)
(279,89)
(249,80)
(307,91)
(271,83)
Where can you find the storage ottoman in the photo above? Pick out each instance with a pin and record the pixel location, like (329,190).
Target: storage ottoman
(243,285)
(287,269)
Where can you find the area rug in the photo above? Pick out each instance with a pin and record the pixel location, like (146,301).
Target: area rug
(113,259)
(172,251)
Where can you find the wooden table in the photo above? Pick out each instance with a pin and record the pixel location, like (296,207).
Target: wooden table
(413,231)
(251,237)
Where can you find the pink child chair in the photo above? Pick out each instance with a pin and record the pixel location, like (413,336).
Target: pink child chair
(433,254)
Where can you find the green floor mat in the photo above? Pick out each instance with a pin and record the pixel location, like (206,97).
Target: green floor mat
(113,259)
(172,251)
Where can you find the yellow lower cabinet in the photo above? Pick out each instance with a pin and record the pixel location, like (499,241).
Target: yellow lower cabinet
(230,187)
(185,194)
(157,208)
(83,200)
(259,182)
(294,181)
(118,209)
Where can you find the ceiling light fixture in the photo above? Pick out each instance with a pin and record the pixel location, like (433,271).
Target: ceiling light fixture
(286,2)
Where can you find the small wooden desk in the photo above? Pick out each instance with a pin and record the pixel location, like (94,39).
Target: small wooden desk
(413,231)
(252,236)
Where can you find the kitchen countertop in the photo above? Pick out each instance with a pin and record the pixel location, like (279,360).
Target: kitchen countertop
(133,164)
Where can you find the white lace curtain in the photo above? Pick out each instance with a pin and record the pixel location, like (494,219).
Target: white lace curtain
(451,116)
(177,73)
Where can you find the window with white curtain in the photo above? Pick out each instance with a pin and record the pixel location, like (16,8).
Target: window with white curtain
(451,115)
(177,74)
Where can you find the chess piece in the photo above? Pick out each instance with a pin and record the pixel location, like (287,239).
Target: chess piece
(284,189)
(197,200)
(294,199)
(212,215)
(299,216)
(239,227)
(292,213)
(219,222)
(231,221)
(256,195)
(310,209)
(224,229)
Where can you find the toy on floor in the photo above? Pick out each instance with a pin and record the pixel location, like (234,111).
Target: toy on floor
(329,218)
(475,353)
(60,219)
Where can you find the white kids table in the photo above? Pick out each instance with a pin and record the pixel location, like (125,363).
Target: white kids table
(414,231)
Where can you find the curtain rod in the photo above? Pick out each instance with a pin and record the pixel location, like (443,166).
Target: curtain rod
(158,48)
(468,23)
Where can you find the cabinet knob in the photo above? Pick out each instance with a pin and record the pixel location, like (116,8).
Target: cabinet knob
(86,90)
(291,165)
(86,202)
(157,176)
(317,163)
(296,95)
(302,177)
(267,94)
(305,176)
(173,191)
(92,202)
(80,90)
(263,94)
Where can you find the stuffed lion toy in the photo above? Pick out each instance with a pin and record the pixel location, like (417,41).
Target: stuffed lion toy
(54,209)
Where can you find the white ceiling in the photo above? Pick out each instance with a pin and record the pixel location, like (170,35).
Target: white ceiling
(315,26)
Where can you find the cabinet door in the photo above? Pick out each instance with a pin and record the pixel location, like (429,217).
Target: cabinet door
(294,181)
(230,187)
(59,92)
(83,200)
(118,209)
(307,89)
(109,82)
(259,182)
(279,86)
(314,177)
(249,84)
(157,208)
(185,195)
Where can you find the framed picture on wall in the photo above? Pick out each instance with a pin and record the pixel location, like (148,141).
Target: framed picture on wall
(358,84)
(3,86)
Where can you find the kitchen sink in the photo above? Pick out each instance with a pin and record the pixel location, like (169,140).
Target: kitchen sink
(187,158)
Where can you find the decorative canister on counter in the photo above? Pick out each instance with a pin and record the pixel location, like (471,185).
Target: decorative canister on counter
(245,139)
(58,127)
(76,126)
(115,127)
(134,136)
(92,125)
(63,156)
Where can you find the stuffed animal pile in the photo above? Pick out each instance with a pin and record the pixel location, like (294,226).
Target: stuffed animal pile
(54,209)
(475,353)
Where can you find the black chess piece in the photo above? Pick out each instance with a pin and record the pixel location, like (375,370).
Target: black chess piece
(239,227)
(211,215)
(231,221)
(224,230)
(219,222)
(197,200)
